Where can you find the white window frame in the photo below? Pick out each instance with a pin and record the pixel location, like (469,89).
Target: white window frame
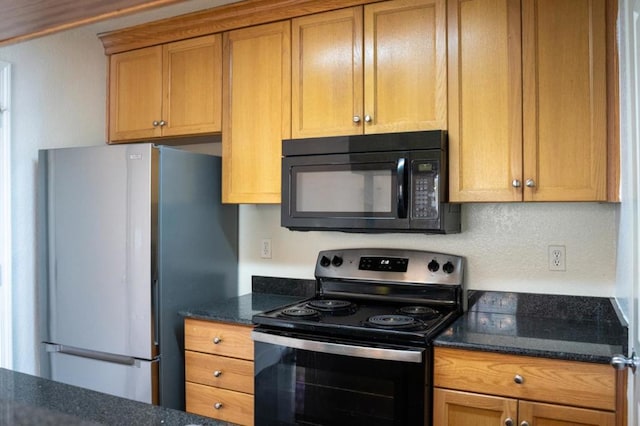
(6,333)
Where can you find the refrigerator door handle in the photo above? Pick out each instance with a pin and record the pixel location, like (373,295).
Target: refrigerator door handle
(100,356)
(155,311)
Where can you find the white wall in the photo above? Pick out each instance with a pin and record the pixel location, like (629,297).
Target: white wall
(59,94)
(505,246)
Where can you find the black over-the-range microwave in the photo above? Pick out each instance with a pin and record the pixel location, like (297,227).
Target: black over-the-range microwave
(393,182)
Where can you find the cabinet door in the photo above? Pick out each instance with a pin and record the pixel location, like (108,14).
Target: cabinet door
(192,81)
(455,408)
(135,94)
(558,415)
(565,108)
(405,66)
(326,74)
(485,100)
(257,111)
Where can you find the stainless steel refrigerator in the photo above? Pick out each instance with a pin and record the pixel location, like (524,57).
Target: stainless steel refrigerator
(129,235)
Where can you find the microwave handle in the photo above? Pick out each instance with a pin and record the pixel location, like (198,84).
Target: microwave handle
(402,187)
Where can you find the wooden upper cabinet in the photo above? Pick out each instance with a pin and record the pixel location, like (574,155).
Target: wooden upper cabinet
(192,86)
(372,69)
(405,66)
(257,111)
(326,74)
(168,90)
(135,94)
(527,100)
(565,99)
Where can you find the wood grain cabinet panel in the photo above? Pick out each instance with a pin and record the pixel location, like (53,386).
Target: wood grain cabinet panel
(166,91)
(257,111)
(483,388)
(370,69)
(527,100)
(219,370)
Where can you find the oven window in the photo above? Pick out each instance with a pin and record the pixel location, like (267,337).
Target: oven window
(366,189)
(300,387)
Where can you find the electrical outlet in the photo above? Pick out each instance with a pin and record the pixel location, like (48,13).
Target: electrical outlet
(265,248)
(557,258)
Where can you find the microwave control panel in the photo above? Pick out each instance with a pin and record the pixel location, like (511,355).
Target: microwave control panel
(425,189)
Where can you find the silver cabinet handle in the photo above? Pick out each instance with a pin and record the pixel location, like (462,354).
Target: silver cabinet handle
(508,421)
(620,362)
(217,373)
(217,405)
(155,123)
(518,379)
(368,118)
(356,118)
(516,183)
(530,183)
(216,340)
(162,123)
(524,423)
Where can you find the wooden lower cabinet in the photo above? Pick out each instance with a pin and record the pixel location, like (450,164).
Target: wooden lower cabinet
(456,408)
(474,388)
(219,370)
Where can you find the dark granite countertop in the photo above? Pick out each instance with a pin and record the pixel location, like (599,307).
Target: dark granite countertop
(267,293)
(573,328)
(30,400)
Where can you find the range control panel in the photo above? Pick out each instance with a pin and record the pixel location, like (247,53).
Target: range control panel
(410,266)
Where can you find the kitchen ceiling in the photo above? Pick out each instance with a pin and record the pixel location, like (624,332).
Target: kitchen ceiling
(26,19)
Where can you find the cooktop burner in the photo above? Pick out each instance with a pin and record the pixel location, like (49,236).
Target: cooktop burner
(423,312)
(300,312)
(332,305)
(394,322)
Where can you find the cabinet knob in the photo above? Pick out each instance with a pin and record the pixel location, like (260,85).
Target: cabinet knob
(530,183)
(162,123)
(516,183)
(524,423)
(216,340)
(217,405)
(155,123)
(518,379)
(368,119)
(356,118)
(217,373)
(508,421)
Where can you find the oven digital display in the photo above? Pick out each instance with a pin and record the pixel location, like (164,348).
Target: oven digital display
(387,264)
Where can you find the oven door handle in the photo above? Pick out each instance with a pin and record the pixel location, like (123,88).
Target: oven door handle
(404,355)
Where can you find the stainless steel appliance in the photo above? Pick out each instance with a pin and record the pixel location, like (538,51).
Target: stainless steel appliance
(358,352)
(395,182)
(130,234)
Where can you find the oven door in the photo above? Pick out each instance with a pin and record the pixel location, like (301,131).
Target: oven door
(311,381)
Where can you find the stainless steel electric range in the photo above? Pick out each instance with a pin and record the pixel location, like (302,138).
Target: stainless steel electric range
(359,351)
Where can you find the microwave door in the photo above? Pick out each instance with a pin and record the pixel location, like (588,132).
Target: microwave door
(346,192)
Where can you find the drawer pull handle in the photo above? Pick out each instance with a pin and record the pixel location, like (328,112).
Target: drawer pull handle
(218,405)
(217,373)
(524,423)
(508,421)
(216,340)
(518,379)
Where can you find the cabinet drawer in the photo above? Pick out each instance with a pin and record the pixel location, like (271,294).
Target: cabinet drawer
(232,340)
(232,373)
(235,407)
(561,382)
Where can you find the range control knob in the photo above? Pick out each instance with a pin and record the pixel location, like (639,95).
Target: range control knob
(433,266)
(448,267)
(325,261)
(336,261)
